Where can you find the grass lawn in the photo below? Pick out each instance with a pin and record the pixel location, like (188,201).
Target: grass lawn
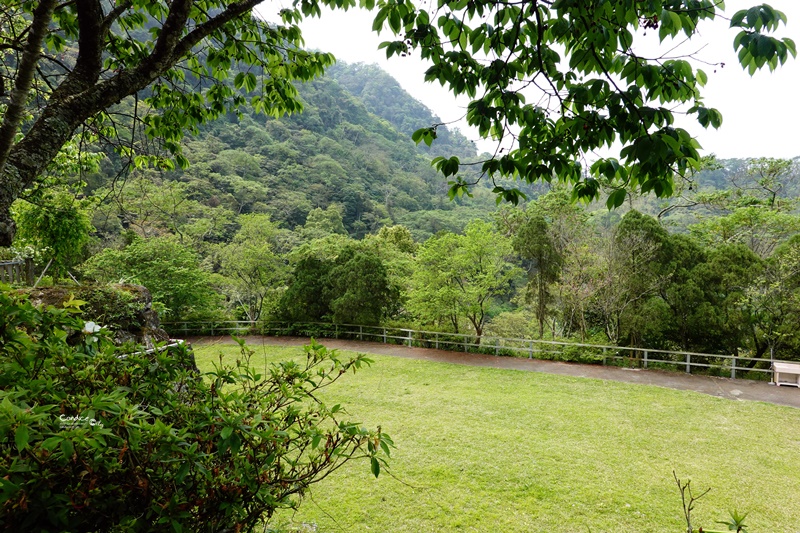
(488,450)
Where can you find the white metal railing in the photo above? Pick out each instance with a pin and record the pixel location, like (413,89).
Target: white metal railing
(532,348)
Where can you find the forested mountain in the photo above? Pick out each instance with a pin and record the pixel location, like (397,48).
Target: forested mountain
(335,153)
(383,96)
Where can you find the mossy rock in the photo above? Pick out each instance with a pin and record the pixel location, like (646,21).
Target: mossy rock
(125,309)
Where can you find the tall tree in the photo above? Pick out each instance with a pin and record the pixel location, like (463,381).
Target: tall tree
(542,237)
(534,244)
(725,278)
(351,288)
(255,271)
(458,276)
(773,301)
(684,292)
(634,272)
(359,288)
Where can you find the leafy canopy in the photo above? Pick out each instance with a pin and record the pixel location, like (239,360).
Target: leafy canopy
(71,63)
(560,79)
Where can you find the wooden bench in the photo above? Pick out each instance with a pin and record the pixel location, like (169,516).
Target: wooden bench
(792,370)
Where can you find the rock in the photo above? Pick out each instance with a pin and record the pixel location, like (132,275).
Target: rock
(125,309)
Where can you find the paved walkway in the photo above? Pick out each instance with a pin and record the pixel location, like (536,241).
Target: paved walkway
(733,389)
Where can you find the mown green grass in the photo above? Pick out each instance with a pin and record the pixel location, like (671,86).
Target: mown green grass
(488,450)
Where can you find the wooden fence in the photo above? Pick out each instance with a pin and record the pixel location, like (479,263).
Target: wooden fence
(17,272)
(690,362)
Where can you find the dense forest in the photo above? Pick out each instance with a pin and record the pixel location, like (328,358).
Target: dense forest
(334,214)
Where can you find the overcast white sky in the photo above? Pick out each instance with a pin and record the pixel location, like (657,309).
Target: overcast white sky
(761,114)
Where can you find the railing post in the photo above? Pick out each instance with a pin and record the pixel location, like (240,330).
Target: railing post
(688,363)
(645,358)
(733,368)
(437,340)
(409,338)
(29,273)
(384,335)
(361,333)
(604,356)
(496,346)
(530,349)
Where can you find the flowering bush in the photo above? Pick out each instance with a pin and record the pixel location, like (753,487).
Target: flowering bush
(91,440)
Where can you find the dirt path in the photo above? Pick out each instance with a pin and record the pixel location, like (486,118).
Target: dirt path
(733,389)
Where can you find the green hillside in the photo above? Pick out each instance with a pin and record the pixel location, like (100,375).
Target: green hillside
(335,153)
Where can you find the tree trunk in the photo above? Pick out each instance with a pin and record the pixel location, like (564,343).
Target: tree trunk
(12,118)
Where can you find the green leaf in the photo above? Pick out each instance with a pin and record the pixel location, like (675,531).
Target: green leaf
(377,24)
(51,443)
(375,466)
(790,46)
(226,432)
(738,17)
(394,21)
(182,471)
(67,448)
(21,437)
(616,198)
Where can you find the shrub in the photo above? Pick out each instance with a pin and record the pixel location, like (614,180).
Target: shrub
(181,289)
(92,440)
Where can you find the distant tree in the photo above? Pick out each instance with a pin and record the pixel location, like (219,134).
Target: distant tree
(684,291)
(544,235)
(725,278)
(581,280)
(396,248)
(304,299)
(399,237)
(255,272)
(322,222)
(150,205)
(534,244)
(757,227)
(58,225)
(434,296)
(458,276)
(352,288)
(633,273)
(359,289)
(773,302)
(772,179)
